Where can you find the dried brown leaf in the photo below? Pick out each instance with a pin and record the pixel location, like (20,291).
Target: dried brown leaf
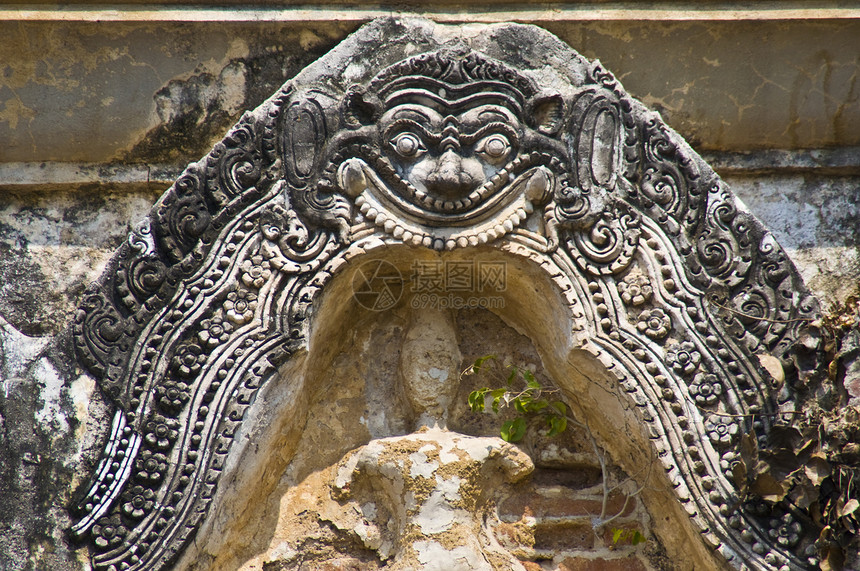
(768,487)
(817,469)
(849,508)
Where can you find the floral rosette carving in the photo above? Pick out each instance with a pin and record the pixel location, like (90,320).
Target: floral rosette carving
(109,532)
(654,323)
(214,332)
(721,429)
(161,432)
(786,530)
(728,461)
(635,289)
(706,389)
(138,502)
(255,272)
(684,358)
(240,306)
(188,360)
(150,467)
(172,395)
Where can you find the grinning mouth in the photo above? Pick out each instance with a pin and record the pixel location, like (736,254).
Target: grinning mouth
(497,215)
(431,202)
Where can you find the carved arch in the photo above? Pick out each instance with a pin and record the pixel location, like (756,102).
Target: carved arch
(671,284)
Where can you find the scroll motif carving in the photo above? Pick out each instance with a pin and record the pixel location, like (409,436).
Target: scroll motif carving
(447,150)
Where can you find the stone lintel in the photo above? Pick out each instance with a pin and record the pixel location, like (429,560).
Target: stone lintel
(444,13)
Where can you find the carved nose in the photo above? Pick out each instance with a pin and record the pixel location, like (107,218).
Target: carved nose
(449,178)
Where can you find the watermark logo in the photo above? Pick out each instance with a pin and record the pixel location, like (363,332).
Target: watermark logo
(378,285)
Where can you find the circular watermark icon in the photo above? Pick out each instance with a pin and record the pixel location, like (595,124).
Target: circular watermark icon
(377,285)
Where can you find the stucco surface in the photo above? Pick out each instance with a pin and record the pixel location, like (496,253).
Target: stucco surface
(165,91)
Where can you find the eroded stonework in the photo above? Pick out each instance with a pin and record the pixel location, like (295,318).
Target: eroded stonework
(497,142)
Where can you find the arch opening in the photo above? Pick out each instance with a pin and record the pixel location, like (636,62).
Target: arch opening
(352,395)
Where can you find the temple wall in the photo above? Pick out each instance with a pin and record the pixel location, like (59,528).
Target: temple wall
(98,117)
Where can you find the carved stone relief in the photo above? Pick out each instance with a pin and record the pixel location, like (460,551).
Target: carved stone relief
(493,141)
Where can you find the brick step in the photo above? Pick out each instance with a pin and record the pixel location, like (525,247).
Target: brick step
(560,503)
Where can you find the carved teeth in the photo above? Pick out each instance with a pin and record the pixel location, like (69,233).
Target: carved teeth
(521,214)
(389,226)
(483,238)
(407,236)
(438,244)
(398,232)
(528,207)
(473,240)
(364,207)
(372,213)
(462,241)
(492,233)
(417,239)
(380,219)
(427,242)
(450,244)
(508,225)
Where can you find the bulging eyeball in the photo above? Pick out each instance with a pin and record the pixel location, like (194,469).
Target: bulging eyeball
(408,145)
(494,148)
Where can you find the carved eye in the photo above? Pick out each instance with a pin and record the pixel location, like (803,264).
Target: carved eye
(408,145)
(495,147)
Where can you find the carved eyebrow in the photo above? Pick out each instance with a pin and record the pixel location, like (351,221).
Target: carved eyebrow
(398,114)
(493,113)
(495,127)
(412,126)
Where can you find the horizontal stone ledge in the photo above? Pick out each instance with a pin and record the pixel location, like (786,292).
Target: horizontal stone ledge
(837,161)
(63,176)
(46,176)
(451,13)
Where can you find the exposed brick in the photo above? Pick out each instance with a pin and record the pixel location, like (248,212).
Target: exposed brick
(534,504)
(563,535)
(573,478)
(531,566)
(631,563)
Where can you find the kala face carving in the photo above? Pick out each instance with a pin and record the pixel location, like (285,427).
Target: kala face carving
(446,147)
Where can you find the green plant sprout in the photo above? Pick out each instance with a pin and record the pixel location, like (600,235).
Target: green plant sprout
(531,400)
(631,536)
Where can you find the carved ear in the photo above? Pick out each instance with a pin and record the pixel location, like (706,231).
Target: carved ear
(546,113)
(359,107)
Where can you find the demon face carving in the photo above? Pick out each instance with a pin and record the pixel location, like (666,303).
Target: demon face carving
(448,154)
(446,133)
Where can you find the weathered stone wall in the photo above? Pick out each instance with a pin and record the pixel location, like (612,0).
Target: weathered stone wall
(96,119)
